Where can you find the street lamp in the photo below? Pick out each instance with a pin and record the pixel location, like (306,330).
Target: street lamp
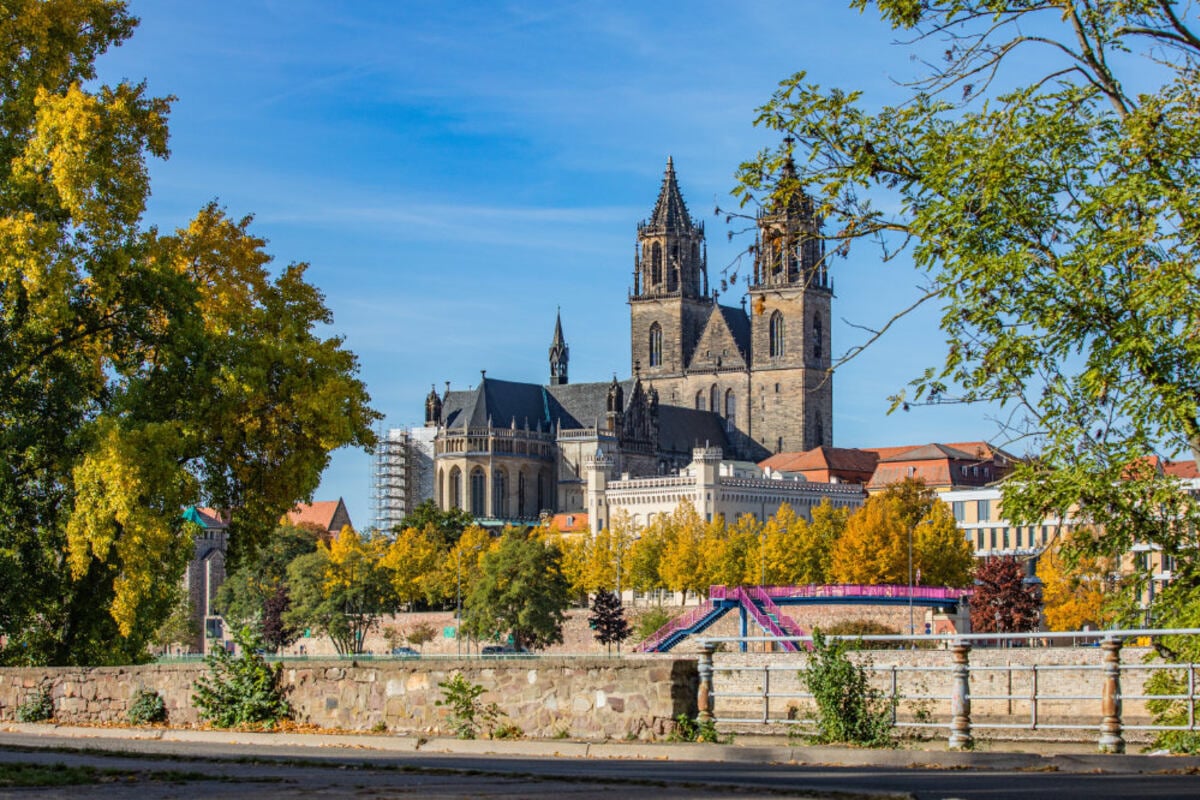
(912,627)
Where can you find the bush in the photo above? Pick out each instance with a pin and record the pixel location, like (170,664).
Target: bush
(648,622)
(849,709)
(241,690)
(1171,712)
(689,730)
(467,715)
(865,627)
(38,707)
(147,708)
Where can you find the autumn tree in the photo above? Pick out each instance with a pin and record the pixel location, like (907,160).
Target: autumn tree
(444,527)
(140,372)
(460,568)
(645,559)
(1076,593)
(681,566)
(412,560)
(729,554)
(1003,602)
(1041,174)
(342,589)
(521,592)
(873,547)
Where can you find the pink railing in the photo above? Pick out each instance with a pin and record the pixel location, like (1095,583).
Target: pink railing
(789,625)
(679,623)
(765,622)
(866,590)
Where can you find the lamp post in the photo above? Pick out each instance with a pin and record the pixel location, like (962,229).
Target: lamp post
(912,626)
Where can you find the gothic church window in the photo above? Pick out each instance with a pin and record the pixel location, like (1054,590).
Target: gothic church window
(456,488)
(478,490)
(700,400)
(656,264)
(656,345)
(499,494)
(776,335)
(730,405)
(521,494)
(817,343)
(714,399)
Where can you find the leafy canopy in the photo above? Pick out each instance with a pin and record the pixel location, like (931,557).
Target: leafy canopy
(1041,175)
(140,372)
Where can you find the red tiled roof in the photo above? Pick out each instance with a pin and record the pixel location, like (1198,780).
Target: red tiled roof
(320,513)
(1181,469)
(838,458)
(213,518)
(575,522)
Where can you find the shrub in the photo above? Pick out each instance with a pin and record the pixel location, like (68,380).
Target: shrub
(648,622)
(147,708)
(467,715)
(865,627)
(849,709)
(241,690)
(689,730)
(1171,712)
(38,707)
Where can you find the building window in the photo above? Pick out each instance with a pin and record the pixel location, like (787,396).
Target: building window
(521,494)
(700,400)
(817,343)
(779,445)
(656,264)
(478,489)
(992,536)
(714,399)
(776,334)
(499,494)
(730,405)
(456,488)
(982,510)
(960,510)
(541,491)
(655,345)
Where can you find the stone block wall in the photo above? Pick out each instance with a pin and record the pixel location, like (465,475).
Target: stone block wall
(591,698)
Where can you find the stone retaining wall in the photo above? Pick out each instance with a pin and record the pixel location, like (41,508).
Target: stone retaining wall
(591,698)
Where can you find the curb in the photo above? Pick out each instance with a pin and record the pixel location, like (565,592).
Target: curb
(825,756)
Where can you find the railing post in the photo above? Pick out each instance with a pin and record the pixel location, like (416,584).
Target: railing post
(960,698)
(704,697)
(1110,698)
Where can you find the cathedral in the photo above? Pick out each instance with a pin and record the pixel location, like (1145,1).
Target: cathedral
(747,381)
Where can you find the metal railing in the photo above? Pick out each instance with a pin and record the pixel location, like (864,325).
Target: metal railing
(1026,697)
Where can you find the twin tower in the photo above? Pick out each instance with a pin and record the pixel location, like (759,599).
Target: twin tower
(764,370)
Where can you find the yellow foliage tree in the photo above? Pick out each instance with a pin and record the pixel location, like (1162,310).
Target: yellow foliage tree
(873,549)
(682,567)
(941,551)
(1075,595)
(412,559)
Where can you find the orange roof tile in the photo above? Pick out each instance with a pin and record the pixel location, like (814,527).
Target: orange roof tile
(320,513)
(1181,469)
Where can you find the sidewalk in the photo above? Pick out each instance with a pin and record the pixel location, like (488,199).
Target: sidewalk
(1019,756)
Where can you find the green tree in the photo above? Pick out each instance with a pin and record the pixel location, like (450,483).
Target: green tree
(443,526)
(1042,175)
(521,592)
(341,589)
(140,373)
(255,594)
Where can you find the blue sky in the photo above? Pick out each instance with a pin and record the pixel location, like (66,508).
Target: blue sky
(454,172)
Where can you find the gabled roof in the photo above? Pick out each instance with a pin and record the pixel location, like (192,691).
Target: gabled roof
(321,513)
(846,459)
(670,211)
(498,403)
(929,452)
(1181,469)
(208,518)
(738,323)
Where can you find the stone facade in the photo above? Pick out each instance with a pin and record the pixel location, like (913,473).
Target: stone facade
(588,698)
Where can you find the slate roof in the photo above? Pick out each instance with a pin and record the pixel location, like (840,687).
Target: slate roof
(681,429)
(670,211)
(499,401)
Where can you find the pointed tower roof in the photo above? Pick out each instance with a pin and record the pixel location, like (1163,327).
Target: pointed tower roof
(670,211)
(558,340)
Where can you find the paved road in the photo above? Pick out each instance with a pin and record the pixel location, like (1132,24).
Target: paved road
(271,772)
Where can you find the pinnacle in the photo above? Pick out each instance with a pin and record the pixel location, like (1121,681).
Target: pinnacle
(670,211)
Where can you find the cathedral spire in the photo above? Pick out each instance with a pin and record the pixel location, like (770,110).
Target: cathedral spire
(670,211)
(559,353)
